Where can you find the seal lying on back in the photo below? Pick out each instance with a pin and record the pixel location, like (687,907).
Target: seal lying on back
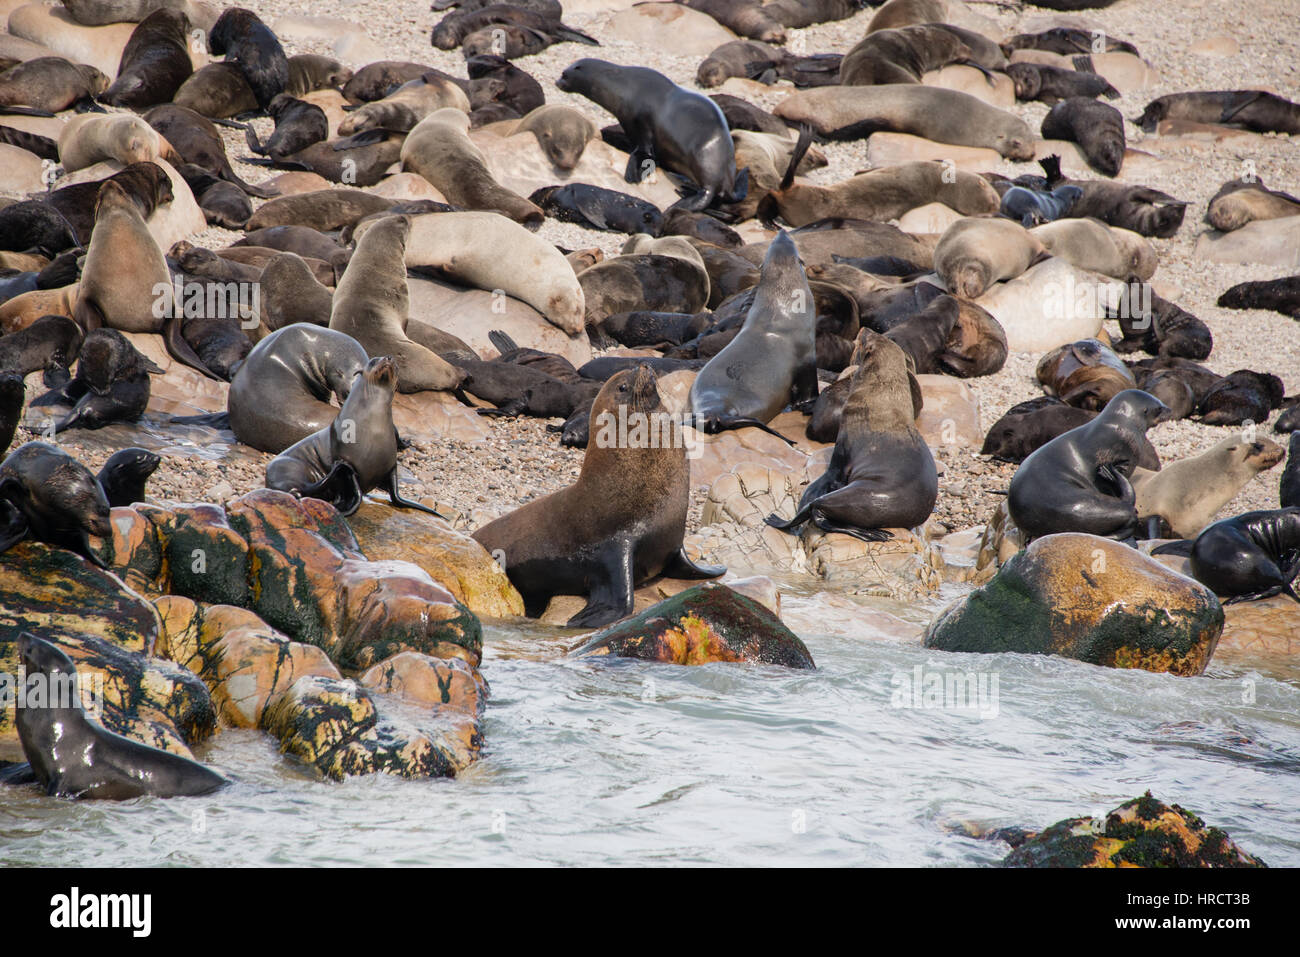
(74,757)
(881,474)
(772,362)
(1079,481)
(682,131)
(354,453)
(47,495)
(621,524)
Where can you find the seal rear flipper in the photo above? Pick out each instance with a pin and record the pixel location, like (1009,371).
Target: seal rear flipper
(84,105)
(396,498)
(714,426)
(213,420)
(1182,547)
(85,551)
(250,137)
(611,595)
(182,351)
(88,315)
(679,565)
(15,775)
(575,36)
(364,138)
(788,525)
(636,160)
(32,111)
(865,534)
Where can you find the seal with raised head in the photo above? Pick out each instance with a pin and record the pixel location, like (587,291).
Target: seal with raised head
(147,184)
(74,757)
(881,474)
(124,475)
(154,64)
(292,293)
(668,125)
(621,524)
(355,453)
(281,393)
(249,43)
(111,384)
(47,495)
(1079,481)
(1185,495)
(371,304)
(772,362)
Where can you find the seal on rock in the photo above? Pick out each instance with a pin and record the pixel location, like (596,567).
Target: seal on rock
(1185,495)
(621,524)
(1095,126)
(51,497)
(1079,481)
(124,475)
(974,253)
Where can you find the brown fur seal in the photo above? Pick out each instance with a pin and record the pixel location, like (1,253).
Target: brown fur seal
(355,453)
(1238,202)
(219,90)
(745,18)
(291,293)
(371,304)
(1187,494)
(249,43)
(147,184)
(1253,110)
(48,496)
(281,393)
(50,84)
(1095,126)
(196,140)
(154,64)
(901,55)
(622,522)
(405,107)
(440,150)
(1051,84)
(973,254)
(881,474)
(944,116)
(323,210)
(562,132)
(1280,295)
(1085,374)
(1091,244)
(125,283)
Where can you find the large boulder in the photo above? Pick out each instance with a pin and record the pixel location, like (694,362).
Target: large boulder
(1143,832)
(707,623)
(452,559)
(1089,598)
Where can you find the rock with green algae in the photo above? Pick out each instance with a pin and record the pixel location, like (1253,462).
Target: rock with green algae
(296,564)
(1143,832)
(1088,598)
(341,729)
(706,623)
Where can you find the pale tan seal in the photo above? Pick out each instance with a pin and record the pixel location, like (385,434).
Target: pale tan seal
(973,254)
(1188,493)
(562,132)
(371,304)
(1091,244)
(406,106)
(440,150)
(121,137)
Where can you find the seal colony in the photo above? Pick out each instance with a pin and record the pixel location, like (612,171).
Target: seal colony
(829,248)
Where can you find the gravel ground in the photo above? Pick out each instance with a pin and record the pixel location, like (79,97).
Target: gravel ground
(522,460)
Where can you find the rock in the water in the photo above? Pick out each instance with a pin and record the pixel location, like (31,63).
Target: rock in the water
(709,622)
(1143,832)
(453,560)
(1087,598)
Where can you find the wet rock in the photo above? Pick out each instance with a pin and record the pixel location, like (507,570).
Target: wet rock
(1001,539)
(761,589)
(203,557)
(904,568)
(707,623)
(438,683)
(310,580)
(1268,628)
(1143,832)
(1088,598)
(453,560)
(960,552)
(335,726)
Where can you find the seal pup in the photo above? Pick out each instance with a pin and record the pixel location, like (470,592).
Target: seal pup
(1079,481)
(1051,84)
(1254,110)
(353,454)
(1031,207)
(124,475)
(772,362)
(598,208)
(111,384)
(1279,295)
(281,392)
(74,757)
(249,43)
(1185,495)
(51,497)
(881,474)
(1095,126)
(561,131)
(621,524)
(154,64)
(372,302)
(1239,202)
(298,125)
(668,125)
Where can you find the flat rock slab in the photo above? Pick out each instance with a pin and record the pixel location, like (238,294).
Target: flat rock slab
(1271,242)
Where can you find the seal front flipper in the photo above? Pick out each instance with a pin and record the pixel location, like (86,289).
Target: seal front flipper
(396,498)
(636,168)
(181,351)
(714,425)
(15,775)
(339,487)
(610,598)
(69,394)
(679,565)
